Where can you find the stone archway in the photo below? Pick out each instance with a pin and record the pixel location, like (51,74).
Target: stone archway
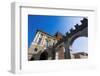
(80,44)
(79,31)
(44,55)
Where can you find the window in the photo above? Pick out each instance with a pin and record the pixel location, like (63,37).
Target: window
(35,49)
(47,45)
(39,41)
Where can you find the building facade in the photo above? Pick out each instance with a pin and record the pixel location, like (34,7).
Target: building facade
(43,48)
(48,47)
(42,42)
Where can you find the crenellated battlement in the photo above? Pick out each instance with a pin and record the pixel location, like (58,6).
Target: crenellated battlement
(84,24)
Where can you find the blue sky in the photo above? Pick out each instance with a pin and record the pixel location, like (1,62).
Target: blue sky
(51,24)
(80,45)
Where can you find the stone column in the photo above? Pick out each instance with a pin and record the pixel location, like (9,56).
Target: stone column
(67,53)
(35,39)
(53,53)
(61,52)
(38,38)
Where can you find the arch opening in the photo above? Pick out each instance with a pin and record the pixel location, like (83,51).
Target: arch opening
(44,55)
(79,48)
(80,44)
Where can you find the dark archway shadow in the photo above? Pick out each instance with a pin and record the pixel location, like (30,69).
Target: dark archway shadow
(44,55)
